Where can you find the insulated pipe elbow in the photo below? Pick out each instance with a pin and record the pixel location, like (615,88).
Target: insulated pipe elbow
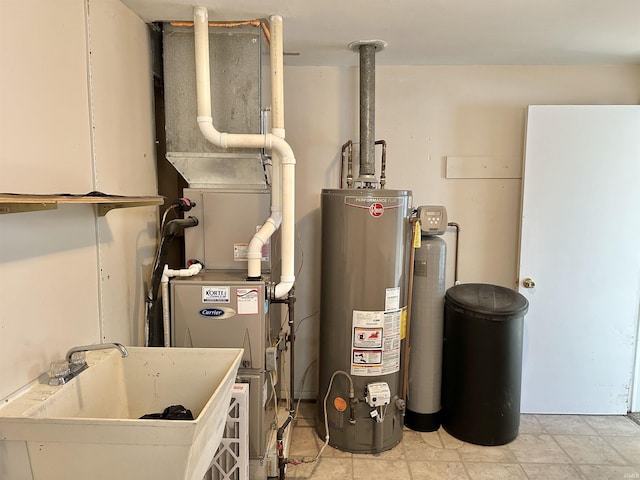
(284,150)
(168,273)
(262,236)
(165,275)
(284,287)
(185,272)
(209,131)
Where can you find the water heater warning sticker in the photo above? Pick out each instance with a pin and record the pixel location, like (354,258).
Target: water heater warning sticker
(375,346)
(367,357)
(367,337)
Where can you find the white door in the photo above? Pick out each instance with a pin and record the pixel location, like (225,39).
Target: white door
(580,246)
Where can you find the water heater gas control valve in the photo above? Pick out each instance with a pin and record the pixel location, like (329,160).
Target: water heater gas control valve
(377,394)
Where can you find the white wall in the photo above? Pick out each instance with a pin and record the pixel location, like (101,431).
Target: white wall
(73,119)
(425,114)
(122,109)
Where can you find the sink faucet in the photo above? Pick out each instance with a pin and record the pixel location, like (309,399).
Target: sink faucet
(99,346)
(64,370)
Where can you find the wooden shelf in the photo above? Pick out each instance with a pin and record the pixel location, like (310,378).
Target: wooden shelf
(19,202)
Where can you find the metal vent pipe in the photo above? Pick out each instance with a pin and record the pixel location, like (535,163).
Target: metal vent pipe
(367,50)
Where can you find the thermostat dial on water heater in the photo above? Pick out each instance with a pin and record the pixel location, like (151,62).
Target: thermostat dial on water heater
(433,219)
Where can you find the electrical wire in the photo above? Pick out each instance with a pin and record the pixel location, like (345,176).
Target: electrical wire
(304,378)
(171,208)
(156,259)
(285,381)
(305,318)
(326,420)
(383,414)
(301,253)
(284,321)
(268,172)
(275,399)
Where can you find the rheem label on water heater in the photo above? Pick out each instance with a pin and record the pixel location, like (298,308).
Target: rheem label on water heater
(375,205)
(375,343)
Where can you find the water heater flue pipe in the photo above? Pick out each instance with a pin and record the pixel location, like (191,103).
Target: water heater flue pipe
(274,142)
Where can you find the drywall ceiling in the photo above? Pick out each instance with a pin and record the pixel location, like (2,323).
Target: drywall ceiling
(437,32)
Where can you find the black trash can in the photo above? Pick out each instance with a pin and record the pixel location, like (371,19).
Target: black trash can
(482,363)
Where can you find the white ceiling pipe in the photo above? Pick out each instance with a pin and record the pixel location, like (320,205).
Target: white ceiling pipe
(276,54)
(280,151)
(284,196)
(277,66)
(277,129)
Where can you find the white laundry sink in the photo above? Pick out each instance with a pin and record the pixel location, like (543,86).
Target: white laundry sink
(90,427)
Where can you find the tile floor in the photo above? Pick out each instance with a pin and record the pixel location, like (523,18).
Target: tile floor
(549,447)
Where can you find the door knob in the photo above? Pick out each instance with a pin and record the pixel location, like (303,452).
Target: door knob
(528,283)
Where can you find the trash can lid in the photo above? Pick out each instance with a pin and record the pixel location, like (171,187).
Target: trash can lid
(491,302)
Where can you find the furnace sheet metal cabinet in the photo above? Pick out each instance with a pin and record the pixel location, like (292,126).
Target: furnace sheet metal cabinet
(223,310)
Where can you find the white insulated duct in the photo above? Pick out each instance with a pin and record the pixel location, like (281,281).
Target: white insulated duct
(283,185)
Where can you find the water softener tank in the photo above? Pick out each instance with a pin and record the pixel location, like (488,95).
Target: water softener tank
(365,252)
(427,323)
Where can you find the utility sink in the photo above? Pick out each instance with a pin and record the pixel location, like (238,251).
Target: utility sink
(90,426)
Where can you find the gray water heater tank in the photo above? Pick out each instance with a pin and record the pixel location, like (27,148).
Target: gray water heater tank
(365,253)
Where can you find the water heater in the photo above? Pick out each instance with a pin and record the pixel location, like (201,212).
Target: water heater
(364,290)
(365,245)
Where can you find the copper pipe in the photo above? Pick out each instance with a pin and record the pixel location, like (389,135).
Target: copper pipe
(348,145)
(350,166)
(407,330)
(255,23)
(383,177)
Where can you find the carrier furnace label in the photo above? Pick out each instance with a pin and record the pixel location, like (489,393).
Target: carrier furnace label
(375,343)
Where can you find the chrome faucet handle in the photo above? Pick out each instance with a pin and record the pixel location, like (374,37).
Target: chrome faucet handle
(77,362)
(78,358)
(59,372)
